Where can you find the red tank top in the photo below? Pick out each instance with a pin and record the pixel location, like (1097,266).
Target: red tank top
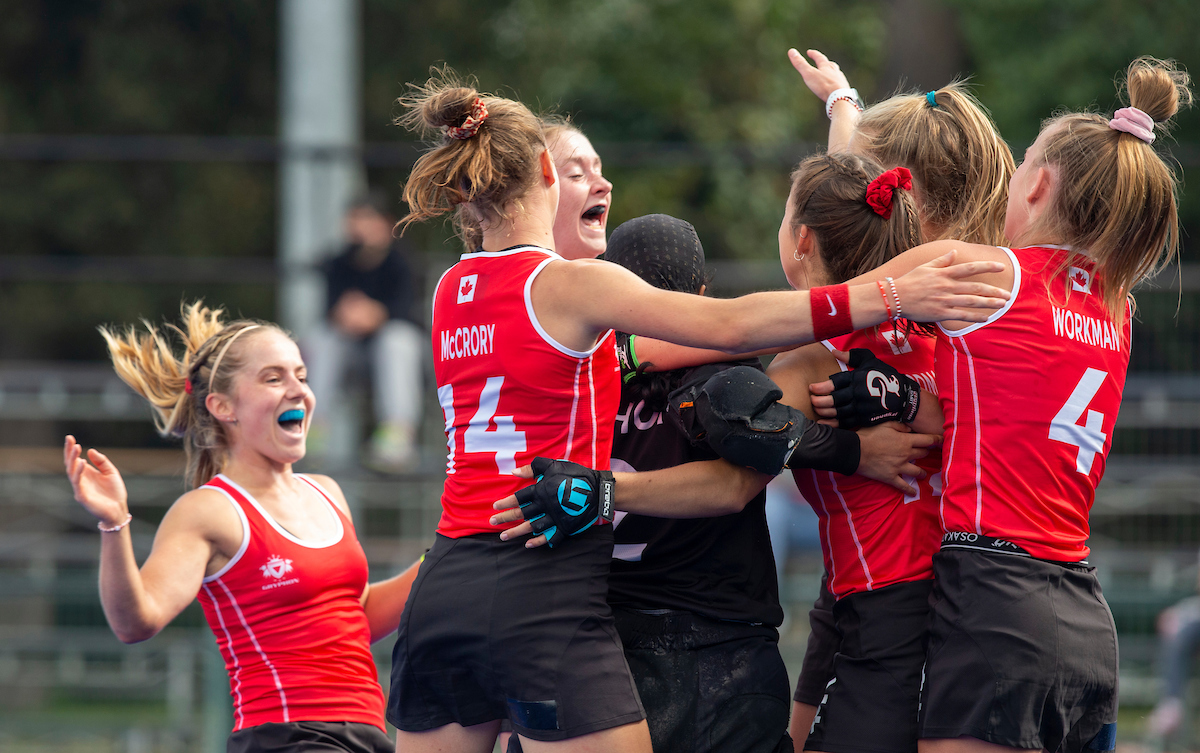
(1030,399)
(509,391)
(871,534)
(288,622)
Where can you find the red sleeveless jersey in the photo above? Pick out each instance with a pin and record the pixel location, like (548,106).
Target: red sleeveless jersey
(289,624)
(508,390)
(1030,399)
(871,534)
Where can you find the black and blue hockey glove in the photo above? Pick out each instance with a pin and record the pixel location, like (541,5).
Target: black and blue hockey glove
(565,499)
(873,392)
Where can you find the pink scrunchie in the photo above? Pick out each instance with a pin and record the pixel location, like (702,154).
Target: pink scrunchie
(1133,121)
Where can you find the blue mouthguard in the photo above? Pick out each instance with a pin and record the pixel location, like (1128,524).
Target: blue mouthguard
(292,415)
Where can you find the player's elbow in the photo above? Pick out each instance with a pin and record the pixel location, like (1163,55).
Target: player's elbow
(732,335)
(745,485)
(129,635)
(134,631)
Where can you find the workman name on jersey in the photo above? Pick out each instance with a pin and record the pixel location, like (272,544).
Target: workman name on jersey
(1080,328)
(479,340)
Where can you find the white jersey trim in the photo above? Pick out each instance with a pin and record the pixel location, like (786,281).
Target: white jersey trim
(322,491)
(508,252)
(436,289)
(337,519)
(245,535)
(828,532)
(537,325)
(829,346)
(1003,309)
(862,557)
(592,398)
(237,665)
(574,411)
(978,438)
(254,641)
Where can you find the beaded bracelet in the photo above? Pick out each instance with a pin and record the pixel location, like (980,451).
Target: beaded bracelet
(883,293)
(117,527)
(899,312)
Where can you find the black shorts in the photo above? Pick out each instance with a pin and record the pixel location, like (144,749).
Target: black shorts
(708,686)
(1022,653)
(494,631)
(823,643)
(871,702)
(302,737)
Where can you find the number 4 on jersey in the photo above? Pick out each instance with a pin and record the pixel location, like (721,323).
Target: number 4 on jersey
(505,441)
(1065,426)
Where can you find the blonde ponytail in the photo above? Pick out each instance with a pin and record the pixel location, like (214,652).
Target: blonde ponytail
(177,386)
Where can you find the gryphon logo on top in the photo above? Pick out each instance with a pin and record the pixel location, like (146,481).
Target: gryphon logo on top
(574,501)
(276,567)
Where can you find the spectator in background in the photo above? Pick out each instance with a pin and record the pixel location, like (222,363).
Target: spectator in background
(1179,637)
(372,288)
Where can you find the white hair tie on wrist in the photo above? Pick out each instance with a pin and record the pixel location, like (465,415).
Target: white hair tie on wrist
(1133,121)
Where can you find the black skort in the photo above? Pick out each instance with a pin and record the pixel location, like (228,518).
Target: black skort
(870,704)
(494,631)
(823,643)
(1022,653)
(310,737)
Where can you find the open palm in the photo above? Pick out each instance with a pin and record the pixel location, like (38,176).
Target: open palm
(98,485)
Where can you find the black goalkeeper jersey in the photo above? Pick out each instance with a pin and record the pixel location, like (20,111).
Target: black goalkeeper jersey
(721,568)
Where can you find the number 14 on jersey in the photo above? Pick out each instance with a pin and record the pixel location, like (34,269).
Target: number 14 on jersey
(503,442)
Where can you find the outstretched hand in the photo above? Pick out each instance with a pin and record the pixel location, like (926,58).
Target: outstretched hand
(888,452)
(939,291)
(823,77)
(97,485)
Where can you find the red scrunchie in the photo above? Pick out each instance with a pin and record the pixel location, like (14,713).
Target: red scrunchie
(470,126)
(187,385)
(879,191)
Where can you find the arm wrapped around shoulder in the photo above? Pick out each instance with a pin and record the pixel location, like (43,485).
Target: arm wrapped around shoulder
(737,413)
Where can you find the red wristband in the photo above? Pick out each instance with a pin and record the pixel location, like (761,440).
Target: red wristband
(830,311)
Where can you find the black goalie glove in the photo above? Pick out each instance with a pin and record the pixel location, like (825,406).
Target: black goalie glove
(737,414)
(873,392)
(565,499)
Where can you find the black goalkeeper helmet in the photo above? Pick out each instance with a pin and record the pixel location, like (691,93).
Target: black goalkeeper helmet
(660,249)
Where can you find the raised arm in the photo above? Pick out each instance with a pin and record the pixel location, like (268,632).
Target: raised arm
(823,77)
(577,300)
(138,603)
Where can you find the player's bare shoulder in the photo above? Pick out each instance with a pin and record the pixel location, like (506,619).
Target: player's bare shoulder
(207,514)
(332,488)
(794,370)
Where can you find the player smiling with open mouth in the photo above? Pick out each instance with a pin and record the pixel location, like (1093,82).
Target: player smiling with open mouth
(580,226)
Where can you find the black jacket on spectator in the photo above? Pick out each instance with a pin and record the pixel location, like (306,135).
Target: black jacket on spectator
(394,282)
